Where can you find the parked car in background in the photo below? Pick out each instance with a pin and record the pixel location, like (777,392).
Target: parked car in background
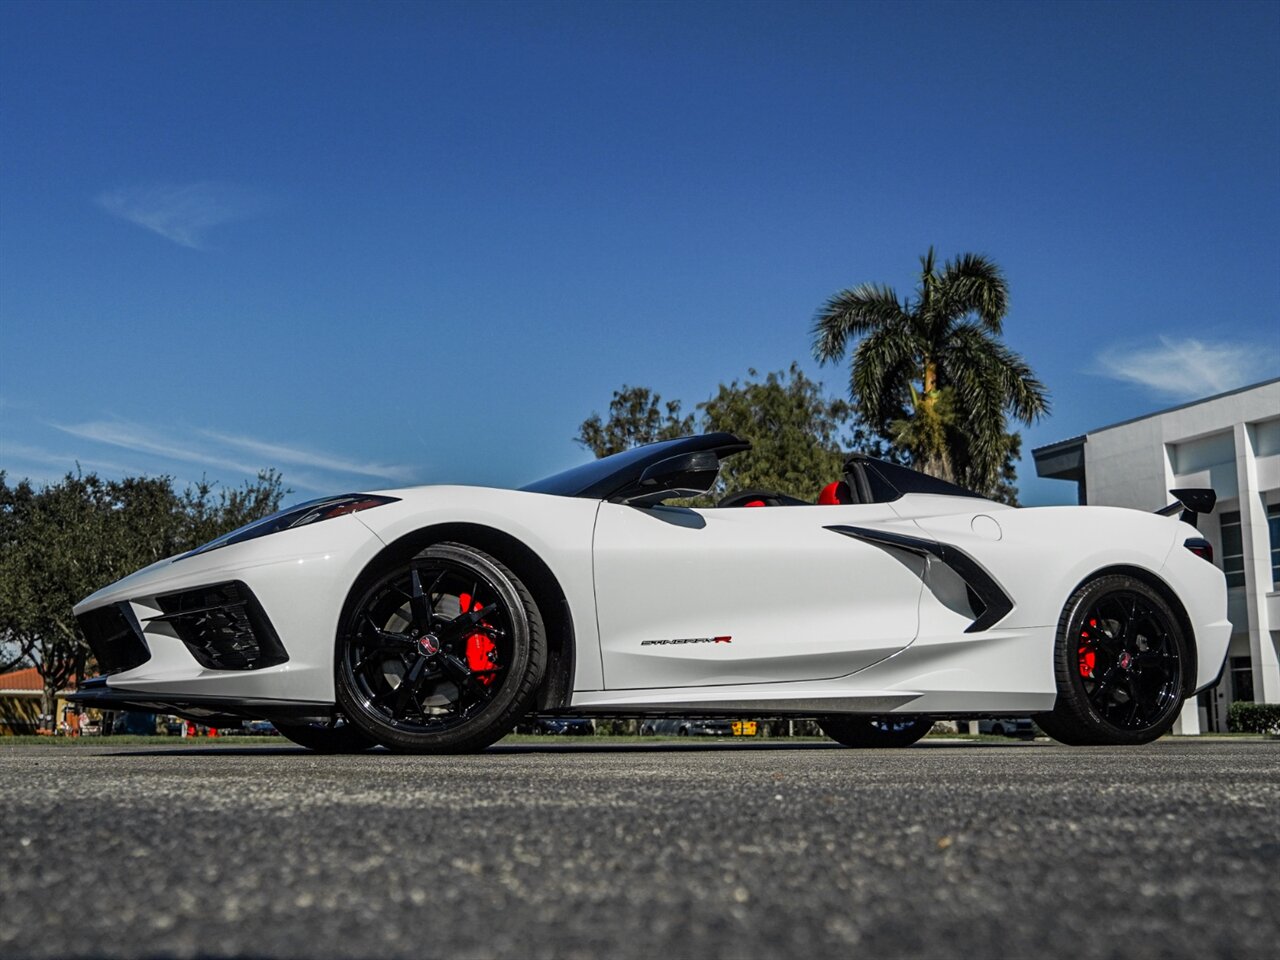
(138,723)
(698,727)
(259,728)
(1022,727)
(558,726)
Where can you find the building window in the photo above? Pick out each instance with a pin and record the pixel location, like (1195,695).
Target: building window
(1273,527)
(1232,548)
(1233,545)
(1242,678)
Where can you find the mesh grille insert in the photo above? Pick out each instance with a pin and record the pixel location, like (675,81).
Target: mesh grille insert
(223,626)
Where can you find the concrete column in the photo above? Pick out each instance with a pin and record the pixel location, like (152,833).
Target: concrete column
(1257,570)
(1188,722)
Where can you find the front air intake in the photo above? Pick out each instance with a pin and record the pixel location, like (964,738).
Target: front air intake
(115,638)
(223,626)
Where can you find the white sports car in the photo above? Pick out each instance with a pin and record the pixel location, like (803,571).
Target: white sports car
(432,619)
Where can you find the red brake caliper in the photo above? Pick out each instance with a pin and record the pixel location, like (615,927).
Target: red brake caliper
(482,654)
(1088,659)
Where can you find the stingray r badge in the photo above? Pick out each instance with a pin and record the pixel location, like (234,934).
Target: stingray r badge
(664,643)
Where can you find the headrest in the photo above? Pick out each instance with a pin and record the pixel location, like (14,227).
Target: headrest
(835,493)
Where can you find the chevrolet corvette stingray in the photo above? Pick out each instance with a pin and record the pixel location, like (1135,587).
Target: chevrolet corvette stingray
(433,619)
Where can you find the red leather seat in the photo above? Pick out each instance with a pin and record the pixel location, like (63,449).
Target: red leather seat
(835,493)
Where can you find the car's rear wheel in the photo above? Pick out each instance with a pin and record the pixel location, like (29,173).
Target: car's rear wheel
(337,736)
(442,653)
(1120,659)
(861,731)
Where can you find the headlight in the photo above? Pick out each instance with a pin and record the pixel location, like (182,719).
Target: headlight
(313,511)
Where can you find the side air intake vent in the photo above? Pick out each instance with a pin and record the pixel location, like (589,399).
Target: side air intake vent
(115,638)
(224,627)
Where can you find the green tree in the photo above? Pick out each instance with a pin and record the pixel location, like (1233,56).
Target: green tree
(15,645)
(204,515)
(1006,487)
(931,372)
(70,538)
(800,437)
(637,416)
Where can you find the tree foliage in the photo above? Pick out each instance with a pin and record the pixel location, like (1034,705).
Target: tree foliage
(931,372)
(65,540)
(800,437)
(637,416)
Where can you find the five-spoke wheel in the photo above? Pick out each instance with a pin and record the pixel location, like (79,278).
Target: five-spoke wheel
(1120,665)
(442,653)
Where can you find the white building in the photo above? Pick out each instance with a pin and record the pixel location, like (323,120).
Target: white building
(1231,443)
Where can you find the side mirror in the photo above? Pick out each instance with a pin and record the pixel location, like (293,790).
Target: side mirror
(684,475)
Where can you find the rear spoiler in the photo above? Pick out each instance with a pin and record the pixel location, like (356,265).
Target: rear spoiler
(1192,502)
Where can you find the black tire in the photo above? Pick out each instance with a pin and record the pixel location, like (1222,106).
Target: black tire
(863,731)
(1120,662)
(406,666)
(336,737)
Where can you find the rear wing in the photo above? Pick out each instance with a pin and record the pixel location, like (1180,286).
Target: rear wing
(1191,502)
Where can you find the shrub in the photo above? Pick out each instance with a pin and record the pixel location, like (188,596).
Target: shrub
(1245,716)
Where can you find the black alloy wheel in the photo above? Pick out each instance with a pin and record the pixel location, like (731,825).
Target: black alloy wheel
(442,654)
(864,731)
(1120,660)
(335,736)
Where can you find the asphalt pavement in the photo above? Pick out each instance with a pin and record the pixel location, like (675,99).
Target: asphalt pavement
(669,850)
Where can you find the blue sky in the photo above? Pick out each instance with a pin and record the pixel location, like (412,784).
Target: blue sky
(378,244)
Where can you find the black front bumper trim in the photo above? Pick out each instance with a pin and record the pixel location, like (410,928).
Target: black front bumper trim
(95,693)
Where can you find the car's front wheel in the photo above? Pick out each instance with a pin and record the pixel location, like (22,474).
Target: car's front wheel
(1119,660)
(442,653)
(862,731)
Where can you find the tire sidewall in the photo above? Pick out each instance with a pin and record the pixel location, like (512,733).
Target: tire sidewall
(862,731)
(1094,727)
(486,725)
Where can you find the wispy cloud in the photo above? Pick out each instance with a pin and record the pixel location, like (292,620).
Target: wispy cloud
(38,456)
(183,213)
(131,436)
(280,454)
(231,454)
(1188,368)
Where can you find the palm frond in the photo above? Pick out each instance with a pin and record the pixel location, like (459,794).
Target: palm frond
(1026,395)
(971,365)
(927,265)
(1002,370)
(883,366)
(851,313)
(972,283)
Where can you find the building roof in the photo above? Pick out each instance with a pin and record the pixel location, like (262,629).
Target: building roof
(21,681)
(1050,449)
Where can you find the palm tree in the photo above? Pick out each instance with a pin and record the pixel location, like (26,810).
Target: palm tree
(930,371)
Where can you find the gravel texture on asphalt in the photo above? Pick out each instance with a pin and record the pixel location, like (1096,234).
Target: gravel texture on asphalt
(643,850)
